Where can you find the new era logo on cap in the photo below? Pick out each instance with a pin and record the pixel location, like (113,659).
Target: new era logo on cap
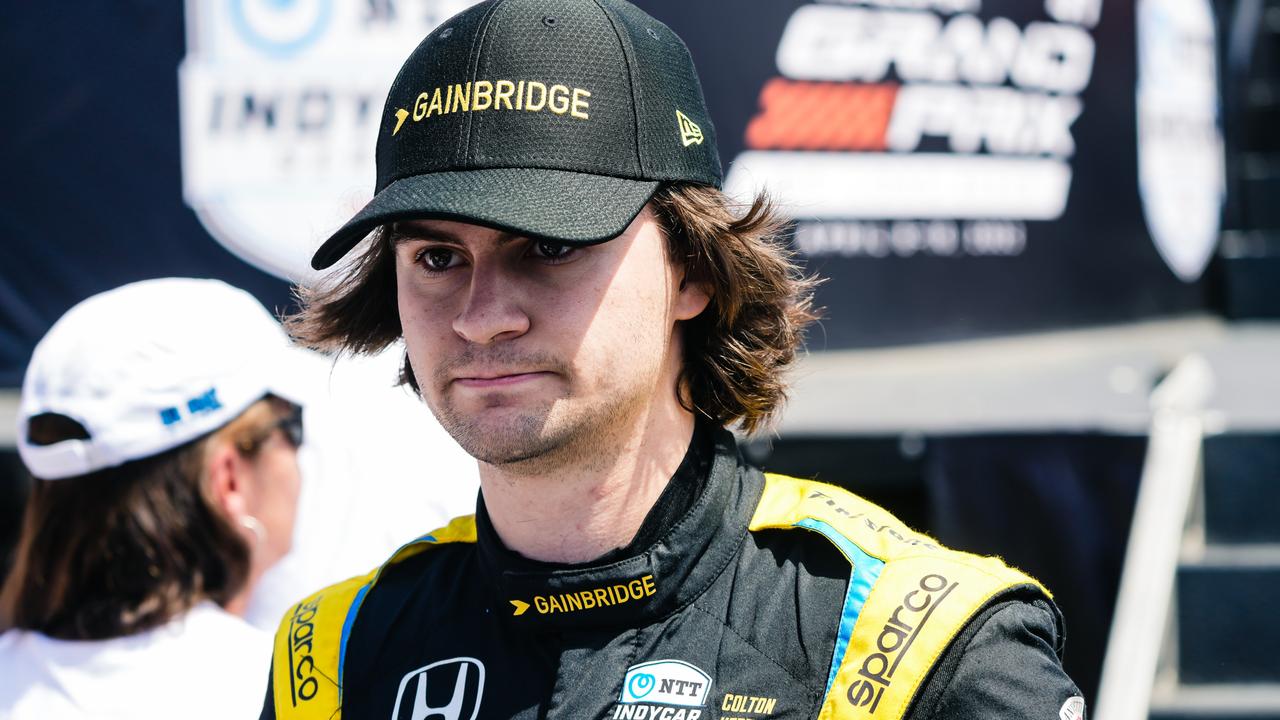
(690,133)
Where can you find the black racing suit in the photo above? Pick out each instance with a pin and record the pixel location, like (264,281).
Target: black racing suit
(699,618)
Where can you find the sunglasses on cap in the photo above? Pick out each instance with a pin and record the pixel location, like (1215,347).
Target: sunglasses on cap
(290,426)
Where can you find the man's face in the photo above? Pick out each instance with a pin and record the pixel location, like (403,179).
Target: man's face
(529,349)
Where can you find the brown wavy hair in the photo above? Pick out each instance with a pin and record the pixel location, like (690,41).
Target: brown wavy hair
(128,548)
(735,352)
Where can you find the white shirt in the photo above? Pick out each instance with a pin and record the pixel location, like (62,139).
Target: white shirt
(205,664)
(378,471)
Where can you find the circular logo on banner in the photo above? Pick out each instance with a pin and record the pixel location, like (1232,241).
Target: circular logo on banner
(280,103)
(280,27)
(1181,174)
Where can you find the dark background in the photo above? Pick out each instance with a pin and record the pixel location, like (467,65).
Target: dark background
(94,197)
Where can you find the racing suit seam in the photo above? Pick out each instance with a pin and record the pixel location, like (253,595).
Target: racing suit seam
(1059,631)
(996,606)
(631,659)
(951,680)
(729,552)
(803,683)
(325,675)
(703,499)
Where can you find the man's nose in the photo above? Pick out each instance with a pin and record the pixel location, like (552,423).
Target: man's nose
(493,309)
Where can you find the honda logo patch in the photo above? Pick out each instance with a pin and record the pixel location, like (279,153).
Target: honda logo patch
(445,690)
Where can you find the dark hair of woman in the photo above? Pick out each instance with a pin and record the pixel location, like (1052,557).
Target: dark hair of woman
(128,548)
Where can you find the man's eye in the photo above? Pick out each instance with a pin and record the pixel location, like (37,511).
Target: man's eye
(551,250)
(437,259)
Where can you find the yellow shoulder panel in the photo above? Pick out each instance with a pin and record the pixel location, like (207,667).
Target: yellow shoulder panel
(460,529)
(312,638)
(307,648)
(908,596)
(788,501)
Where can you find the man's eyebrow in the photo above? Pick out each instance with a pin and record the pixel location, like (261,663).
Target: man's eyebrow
(404,233)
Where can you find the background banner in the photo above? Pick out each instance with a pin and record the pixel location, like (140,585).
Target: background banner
(956,167)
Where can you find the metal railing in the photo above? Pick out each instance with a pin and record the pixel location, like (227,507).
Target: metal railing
(1170,480)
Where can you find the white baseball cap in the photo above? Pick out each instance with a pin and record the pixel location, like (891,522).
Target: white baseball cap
(150,366)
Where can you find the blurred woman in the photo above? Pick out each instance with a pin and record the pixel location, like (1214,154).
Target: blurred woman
(159,423)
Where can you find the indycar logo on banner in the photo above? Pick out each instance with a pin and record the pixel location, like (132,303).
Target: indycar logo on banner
(280,102)
(926,111)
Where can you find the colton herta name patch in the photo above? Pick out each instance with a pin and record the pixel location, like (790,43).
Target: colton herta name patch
(663,690)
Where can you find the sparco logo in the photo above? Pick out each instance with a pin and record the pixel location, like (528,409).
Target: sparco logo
(302,629)
(445,690)
(905,623)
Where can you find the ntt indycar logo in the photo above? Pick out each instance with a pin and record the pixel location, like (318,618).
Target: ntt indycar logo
(663,690)
(904,624)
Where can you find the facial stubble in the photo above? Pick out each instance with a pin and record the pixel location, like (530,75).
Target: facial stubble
(558,432)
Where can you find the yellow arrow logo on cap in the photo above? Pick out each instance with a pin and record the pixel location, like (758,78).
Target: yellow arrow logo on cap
(521,607)
(401,114)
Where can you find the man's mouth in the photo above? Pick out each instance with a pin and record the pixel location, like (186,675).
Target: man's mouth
(499,379)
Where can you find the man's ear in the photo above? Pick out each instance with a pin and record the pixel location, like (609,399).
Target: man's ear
(691,299)
(227,473)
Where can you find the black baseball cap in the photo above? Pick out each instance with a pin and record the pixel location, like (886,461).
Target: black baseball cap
(550,118)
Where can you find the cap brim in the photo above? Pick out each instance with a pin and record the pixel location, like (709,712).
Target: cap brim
(576,208)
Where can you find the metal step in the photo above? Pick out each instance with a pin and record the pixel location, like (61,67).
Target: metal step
(1242,484)
(1226,613)
(1217,702)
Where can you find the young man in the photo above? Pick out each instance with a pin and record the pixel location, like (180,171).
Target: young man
(585,313)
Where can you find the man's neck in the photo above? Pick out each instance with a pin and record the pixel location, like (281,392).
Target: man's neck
(579,512)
